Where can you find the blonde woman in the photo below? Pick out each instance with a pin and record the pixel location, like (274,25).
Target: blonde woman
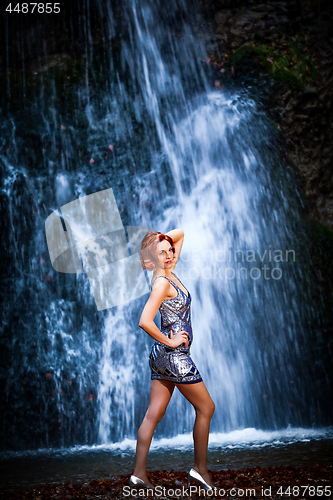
(170,362)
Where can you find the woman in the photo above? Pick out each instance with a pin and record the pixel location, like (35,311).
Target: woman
(169,359)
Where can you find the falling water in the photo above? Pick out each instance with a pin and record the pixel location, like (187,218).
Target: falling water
(183,154)
(212,179)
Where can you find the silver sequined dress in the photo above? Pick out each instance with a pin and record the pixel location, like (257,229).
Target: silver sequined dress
(174,363)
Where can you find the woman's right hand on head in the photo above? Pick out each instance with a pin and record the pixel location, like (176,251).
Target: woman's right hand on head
(176,339)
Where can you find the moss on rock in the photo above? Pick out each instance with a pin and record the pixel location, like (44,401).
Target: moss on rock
(283,60)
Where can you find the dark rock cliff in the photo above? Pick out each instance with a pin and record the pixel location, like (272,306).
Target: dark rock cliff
(302,34)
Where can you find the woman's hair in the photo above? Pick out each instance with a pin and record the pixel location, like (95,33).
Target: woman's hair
(148,248)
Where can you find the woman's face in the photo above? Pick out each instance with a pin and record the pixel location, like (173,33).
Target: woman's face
(164,255)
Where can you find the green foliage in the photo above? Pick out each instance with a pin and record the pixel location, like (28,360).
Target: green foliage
(287,60)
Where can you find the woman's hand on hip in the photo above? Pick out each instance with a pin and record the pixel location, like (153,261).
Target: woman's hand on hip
(179,338)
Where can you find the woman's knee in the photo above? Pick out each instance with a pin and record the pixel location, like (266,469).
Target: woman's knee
(155,414)
(212,408)
(207,410)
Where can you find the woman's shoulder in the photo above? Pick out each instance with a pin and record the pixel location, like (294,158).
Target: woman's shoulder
(160,287)
(159,276)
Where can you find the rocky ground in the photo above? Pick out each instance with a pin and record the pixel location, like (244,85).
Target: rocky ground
(270,483)
(255,482)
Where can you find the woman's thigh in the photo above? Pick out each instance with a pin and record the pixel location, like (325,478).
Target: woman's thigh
(160,395)
(198,396)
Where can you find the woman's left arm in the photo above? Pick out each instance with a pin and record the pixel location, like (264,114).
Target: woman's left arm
(177,236)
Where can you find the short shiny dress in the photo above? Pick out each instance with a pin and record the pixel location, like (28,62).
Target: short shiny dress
(174,363)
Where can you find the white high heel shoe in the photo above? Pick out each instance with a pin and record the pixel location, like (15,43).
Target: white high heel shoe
(193,475)
(136,482)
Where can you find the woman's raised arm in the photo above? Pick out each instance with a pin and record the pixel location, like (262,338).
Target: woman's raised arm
(177,236)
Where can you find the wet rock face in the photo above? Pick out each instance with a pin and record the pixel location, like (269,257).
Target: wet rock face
(305,117)
(240,22)
(307,126)
(237,27)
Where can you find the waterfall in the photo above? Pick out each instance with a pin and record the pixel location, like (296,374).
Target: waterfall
(177,152)
(212,177)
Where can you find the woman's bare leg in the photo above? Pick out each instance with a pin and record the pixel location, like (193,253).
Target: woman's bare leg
(198,396)
(160,394)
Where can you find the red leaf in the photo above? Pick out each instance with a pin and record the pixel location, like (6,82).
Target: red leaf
(217,84)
